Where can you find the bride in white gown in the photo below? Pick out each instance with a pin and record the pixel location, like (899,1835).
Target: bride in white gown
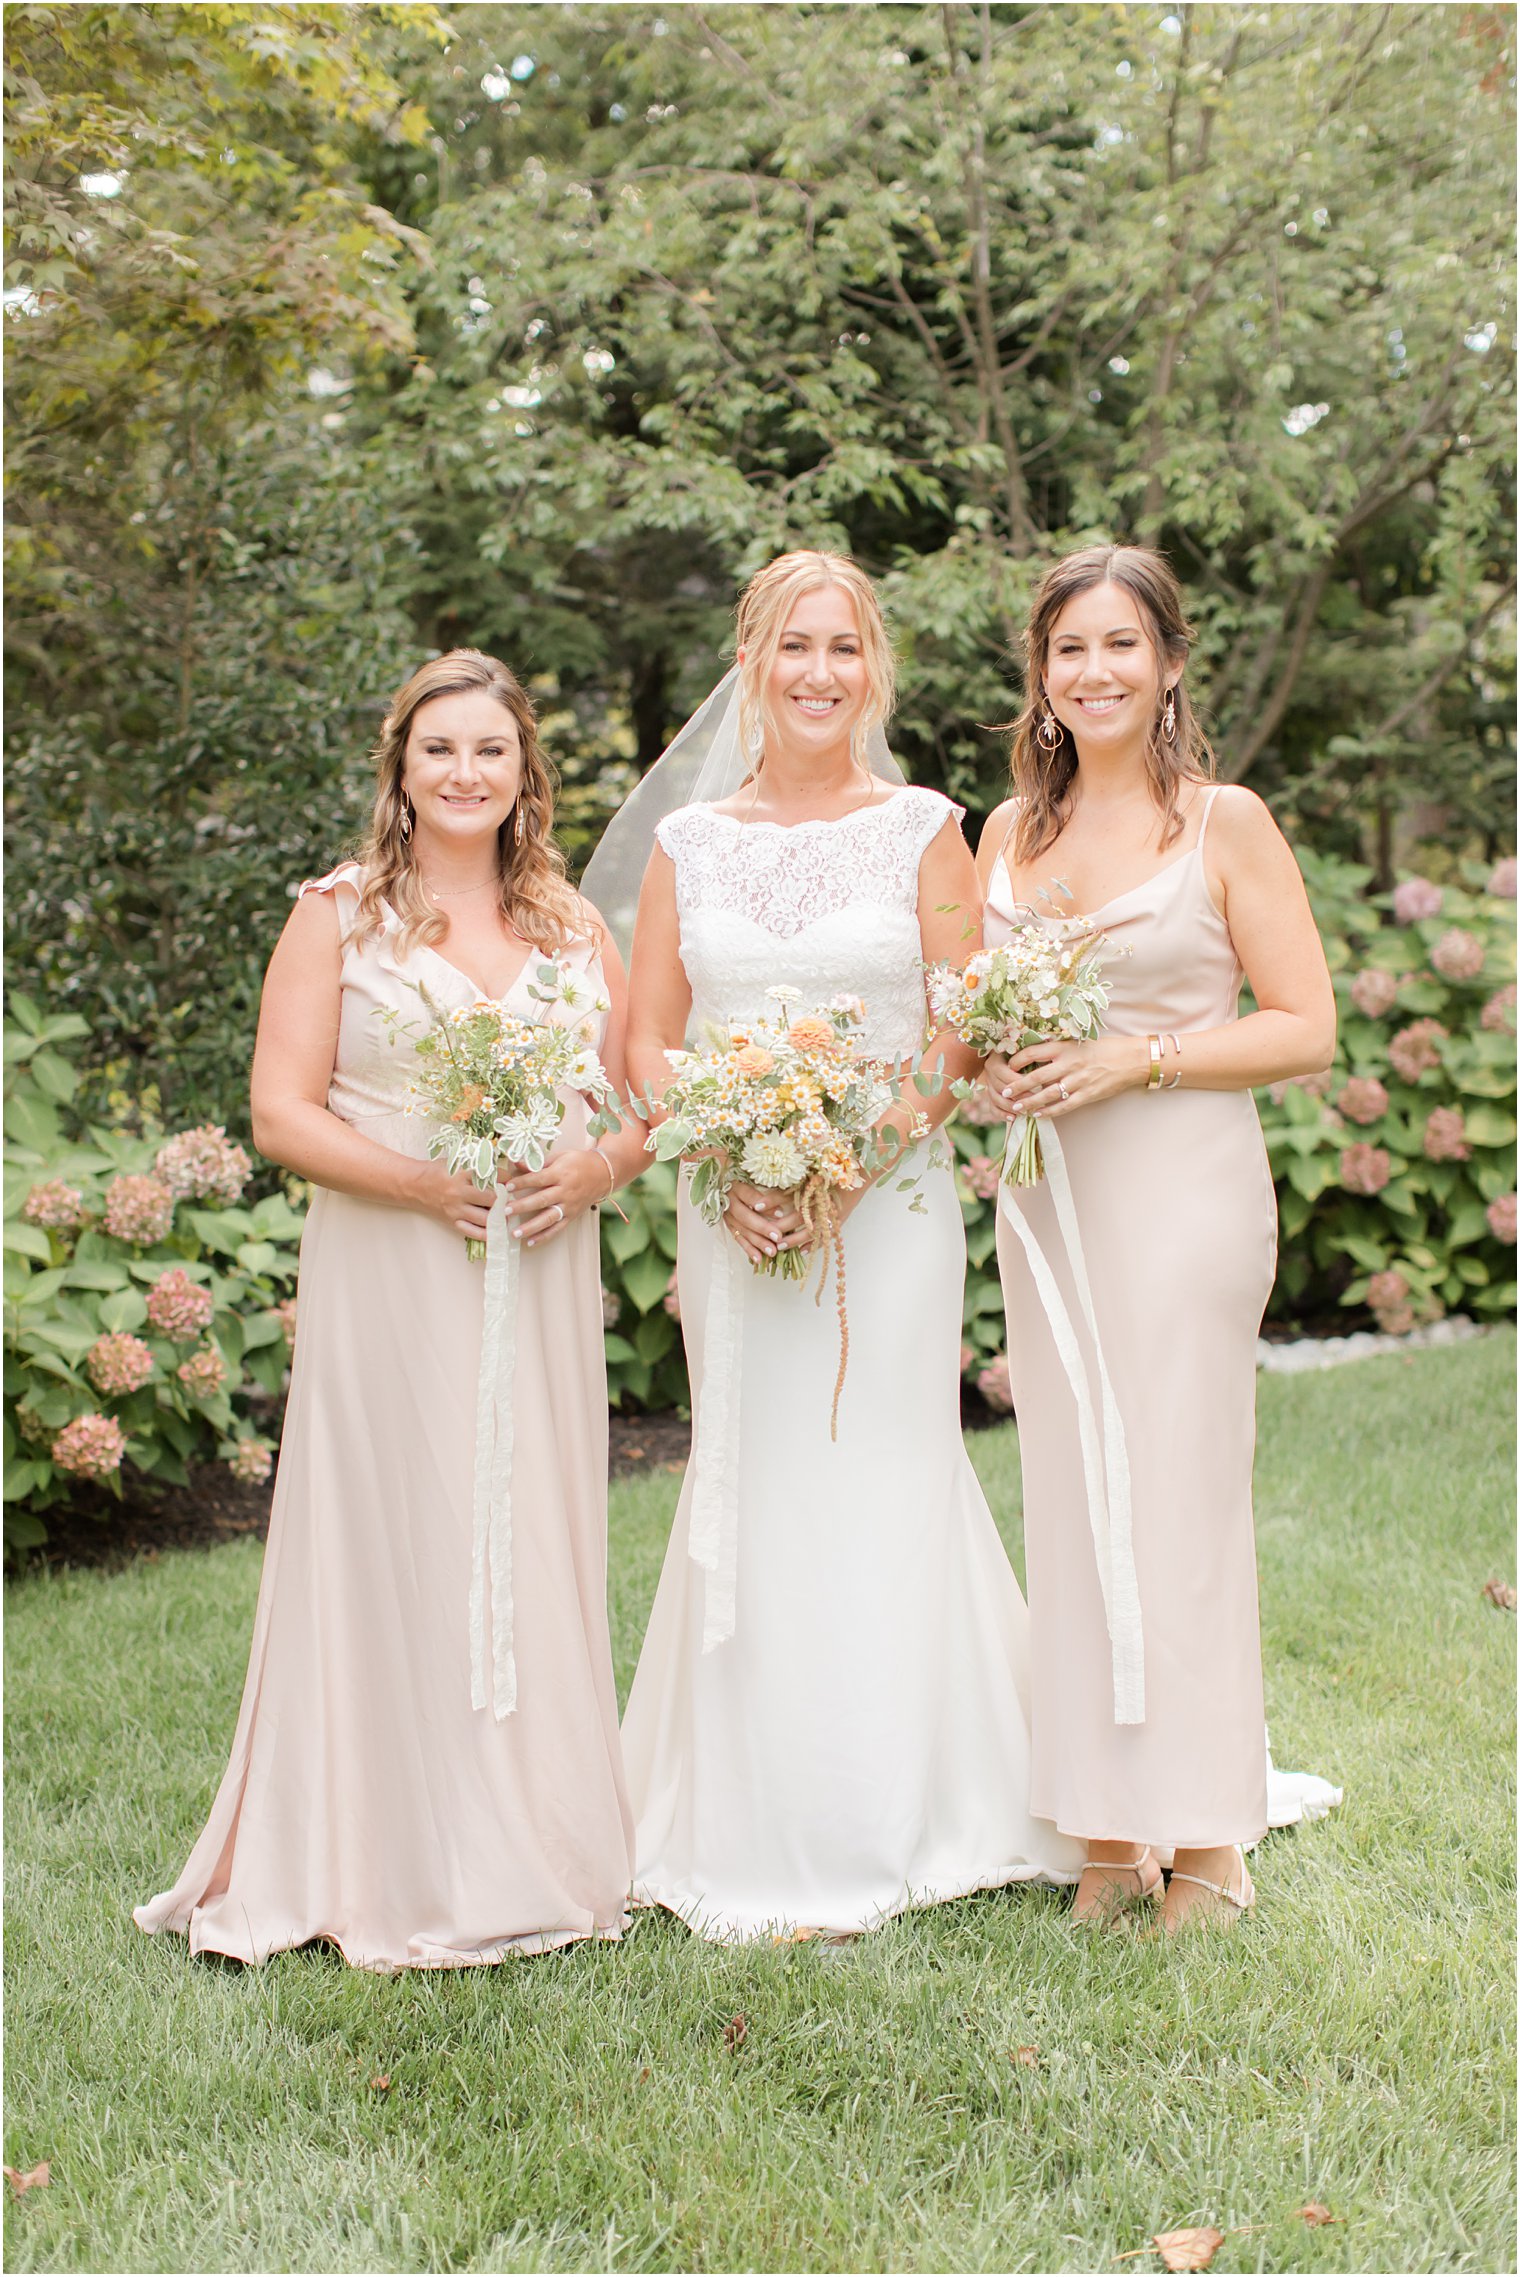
(828,1723)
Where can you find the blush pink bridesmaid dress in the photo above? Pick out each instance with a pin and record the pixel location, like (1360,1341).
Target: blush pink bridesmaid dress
(367,1802)
(1173,1210)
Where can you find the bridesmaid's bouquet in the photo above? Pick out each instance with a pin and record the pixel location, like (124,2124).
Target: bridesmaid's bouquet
(492,1079)
(790,1103)
(1036,987)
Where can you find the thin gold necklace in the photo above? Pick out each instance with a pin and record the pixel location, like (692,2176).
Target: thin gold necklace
(456,893)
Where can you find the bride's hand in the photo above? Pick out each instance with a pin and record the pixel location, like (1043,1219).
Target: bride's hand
(761,1220)
(1051,1079)
(541,1203)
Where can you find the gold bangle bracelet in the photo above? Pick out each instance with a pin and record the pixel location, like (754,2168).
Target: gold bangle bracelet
(1177,1071)
(1153,1082)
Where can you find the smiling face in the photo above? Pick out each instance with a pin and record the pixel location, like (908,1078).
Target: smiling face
(818,682)
(462,767)
(1103,673)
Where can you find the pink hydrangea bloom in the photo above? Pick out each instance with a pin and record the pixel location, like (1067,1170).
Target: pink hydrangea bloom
(1363,1100)
(1502,881)
(1446,1135)
(982,1174)
(1501,1218)
(968,1358)
(994,1385)
(1374,991)
(672,1297)
(612,1307)
(1458,955)
(1366,1169)
(1385,1290)
(92,1446)
(1396,1320)
(251,1461)
(204,1373)
(1414,898)
(1498,1015)
(204,1163)
(179,1307)
(285,1312)
(57,1207)
(139,1210)
(1415,1049)
(118,1365)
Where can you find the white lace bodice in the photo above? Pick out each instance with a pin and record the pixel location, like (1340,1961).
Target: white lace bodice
(823,907)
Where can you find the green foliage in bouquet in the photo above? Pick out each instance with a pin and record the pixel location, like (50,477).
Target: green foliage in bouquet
(145,1308)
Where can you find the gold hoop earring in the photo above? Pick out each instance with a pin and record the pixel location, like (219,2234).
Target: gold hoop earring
(405,824)
(519,827)
(1169,716)
(1048,733)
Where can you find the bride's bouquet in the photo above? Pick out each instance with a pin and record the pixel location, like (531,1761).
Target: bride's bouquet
(492,1079)
(790,1103)
(1036,987)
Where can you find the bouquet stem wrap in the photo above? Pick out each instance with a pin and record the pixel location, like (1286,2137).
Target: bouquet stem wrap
(1105,1458)
(493,1665)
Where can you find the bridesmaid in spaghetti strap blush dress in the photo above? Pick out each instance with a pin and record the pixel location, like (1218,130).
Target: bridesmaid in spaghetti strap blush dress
(384,1793)
(1136,1271)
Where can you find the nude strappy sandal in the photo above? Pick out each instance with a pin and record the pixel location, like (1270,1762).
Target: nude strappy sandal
(1147,1891)
(1238,1902)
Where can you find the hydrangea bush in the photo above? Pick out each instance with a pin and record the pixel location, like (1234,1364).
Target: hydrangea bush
(146,1307)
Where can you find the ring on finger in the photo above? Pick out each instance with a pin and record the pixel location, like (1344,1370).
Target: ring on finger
(559,1211)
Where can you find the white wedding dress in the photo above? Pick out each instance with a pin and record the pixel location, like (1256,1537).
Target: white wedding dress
(828,1723)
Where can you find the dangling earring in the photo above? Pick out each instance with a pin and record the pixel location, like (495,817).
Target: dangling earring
(519,827)
(1169,716)
(1048,733)
(406,821)
(754,744)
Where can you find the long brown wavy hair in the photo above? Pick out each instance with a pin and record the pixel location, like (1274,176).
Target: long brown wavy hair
(1042,779)
(535,898)
(764,606)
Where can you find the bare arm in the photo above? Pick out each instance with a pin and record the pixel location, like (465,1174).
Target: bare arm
(992,841)
(659,993)
(1258,890)
(292,1068)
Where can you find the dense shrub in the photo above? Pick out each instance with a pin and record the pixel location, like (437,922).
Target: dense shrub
(145,1309)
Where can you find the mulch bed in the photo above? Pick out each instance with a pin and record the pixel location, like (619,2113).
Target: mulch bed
(94,1529)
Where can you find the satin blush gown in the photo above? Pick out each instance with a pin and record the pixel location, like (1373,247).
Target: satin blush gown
(367,1802)
(1176,1221)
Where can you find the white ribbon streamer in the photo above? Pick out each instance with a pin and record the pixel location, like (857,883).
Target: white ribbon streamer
(713,1537)
(1105,1467)
(493,1671)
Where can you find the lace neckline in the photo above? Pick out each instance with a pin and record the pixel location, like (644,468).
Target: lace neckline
(814,822)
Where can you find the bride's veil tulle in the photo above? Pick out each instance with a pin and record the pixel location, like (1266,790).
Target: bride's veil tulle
(701,764)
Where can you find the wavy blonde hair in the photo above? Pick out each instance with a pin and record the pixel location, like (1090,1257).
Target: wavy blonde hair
(534,896)
(1042,779)
(764,607)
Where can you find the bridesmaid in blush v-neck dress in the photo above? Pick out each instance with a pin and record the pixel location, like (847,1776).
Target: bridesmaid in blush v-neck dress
(1136,1271)
(384,1794)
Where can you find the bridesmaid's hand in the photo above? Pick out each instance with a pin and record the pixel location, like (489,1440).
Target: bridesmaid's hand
(761,1220)
(455,1198)
(1051,1079)
(541,1203)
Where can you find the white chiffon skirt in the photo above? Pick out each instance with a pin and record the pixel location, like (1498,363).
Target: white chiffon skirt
(860,1743)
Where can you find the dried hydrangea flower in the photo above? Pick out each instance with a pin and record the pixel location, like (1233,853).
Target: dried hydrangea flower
(179,1307)
(118,1365)
(139,1210)
(92,1446)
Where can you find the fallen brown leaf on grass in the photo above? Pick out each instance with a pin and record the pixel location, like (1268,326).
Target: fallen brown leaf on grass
(35,2178)
(735,2034)
(1028,2058)
(1316,2215)
(1500,1593)
(796,1936)
(1187,2249)
(381,2083)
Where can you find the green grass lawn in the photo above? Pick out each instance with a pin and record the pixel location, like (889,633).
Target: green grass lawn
(1351,2044)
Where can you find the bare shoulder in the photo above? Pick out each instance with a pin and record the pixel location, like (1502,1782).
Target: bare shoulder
(997,826)
(314,923)
(1243,828)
